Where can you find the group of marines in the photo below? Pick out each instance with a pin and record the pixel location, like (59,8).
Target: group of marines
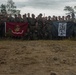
(38,27)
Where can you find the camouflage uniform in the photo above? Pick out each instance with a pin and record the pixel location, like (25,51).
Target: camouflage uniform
(10,19)
(24,19)
(19,19)
(16,18)
(74,30)
(32,23)
(40,26)
(29,32)
(44,31)
(49,29)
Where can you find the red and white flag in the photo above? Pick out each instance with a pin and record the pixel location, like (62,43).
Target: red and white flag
(17,29)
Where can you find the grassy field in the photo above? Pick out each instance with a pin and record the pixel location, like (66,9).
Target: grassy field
(38,57)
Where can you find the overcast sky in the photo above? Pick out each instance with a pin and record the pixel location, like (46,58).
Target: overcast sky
(47,7)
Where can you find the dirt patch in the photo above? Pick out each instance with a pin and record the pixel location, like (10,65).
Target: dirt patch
(38,57)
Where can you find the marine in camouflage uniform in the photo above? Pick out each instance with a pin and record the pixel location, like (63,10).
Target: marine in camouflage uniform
(16,18)
(44,29)
(36,30)
(40,26)
(10,18)
(47,26)
(32,26)
(19,19)
(29,35)
(24,18)
(32,23)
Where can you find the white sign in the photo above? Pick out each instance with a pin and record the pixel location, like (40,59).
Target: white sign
(62,29)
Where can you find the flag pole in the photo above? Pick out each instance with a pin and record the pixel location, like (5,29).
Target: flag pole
(5,28)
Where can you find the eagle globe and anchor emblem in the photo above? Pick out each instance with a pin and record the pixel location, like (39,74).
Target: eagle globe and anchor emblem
(17,30)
